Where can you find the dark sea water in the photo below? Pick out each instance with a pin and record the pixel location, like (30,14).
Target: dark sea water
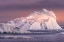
(33,38)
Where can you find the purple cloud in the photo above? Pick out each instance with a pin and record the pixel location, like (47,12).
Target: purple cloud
(30,4)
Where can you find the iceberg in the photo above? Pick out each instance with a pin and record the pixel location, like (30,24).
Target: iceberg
(40,20)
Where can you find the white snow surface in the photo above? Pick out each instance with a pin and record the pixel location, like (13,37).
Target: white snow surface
(35,21)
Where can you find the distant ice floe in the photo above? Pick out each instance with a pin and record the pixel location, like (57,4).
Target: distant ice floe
(15,37)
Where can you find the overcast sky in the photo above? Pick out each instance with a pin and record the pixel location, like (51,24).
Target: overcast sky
(30,4)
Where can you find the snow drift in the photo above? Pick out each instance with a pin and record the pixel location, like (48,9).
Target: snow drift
(40,20)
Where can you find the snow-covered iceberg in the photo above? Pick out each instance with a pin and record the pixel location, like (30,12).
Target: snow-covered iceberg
(40,20)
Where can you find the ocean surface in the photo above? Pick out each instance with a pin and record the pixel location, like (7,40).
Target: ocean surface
(32,38)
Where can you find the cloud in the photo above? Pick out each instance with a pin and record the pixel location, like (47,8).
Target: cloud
(30,4)
(22,2)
